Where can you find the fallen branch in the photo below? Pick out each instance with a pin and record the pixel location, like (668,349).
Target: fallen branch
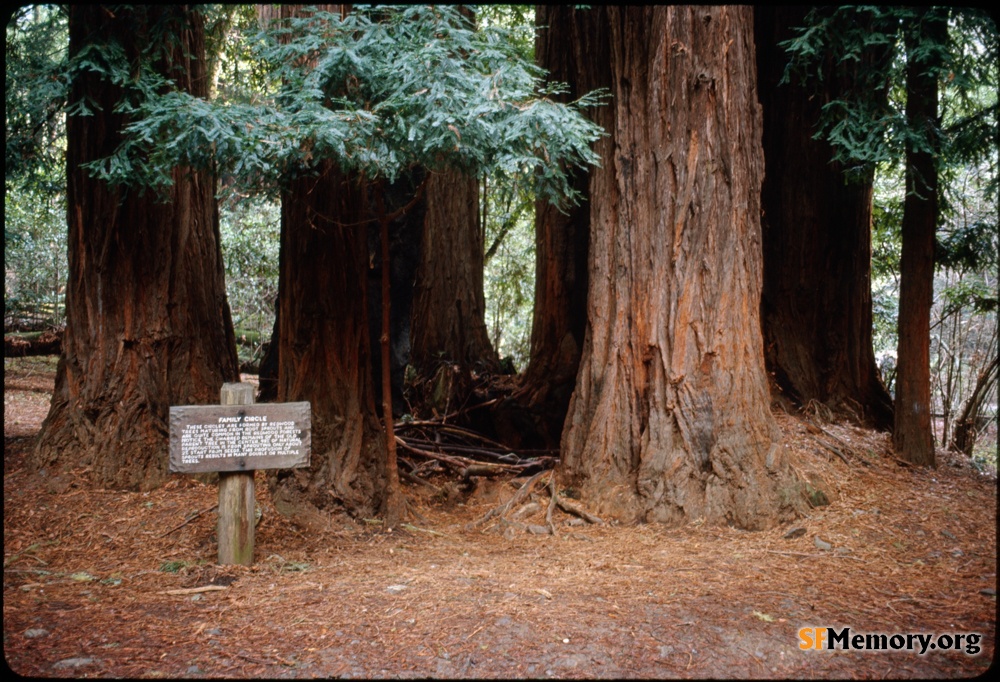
(411,527)
(575,510)
(190,519)
(815,556)
(833,450)
(845,445)
(492,452)
(470,467)
(485,470)
(458,463)
(413,478)
(454,430)
(196,590)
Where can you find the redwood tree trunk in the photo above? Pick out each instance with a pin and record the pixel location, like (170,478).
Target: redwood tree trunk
(147,321)
(449,305)
(670,420)
(321,346)
(816,309)
(912,437)
(323,354)
(561,238)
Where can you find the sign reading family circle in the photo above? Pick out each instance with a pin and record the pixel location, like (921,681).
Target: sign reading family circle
(207,438)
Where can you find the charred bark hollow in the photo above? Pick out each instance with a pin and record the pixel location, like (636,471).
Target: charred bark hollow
(405,233)
(816,309)
(670,421)
(324,348)
(147,320)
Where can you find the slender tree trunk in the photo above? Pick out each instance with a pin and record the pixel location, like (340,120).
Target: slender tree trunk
(912,437)
(323,354)
(970,421)
(393,505)
(670,421)
(148,324)
(816,308)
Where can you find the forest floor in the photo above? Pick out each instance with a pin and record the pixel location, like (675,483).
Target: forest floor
(116,584)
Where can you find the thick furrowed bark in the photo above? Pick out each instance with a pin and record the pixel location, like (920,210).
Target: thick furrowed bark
(148,324)
(449,305)
(670,420)
(324,349)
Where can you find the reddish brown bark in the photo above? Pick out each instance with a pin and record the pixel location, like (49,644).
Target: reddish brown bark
(449,305)
(561,237)
(323,347)
(323,354)
(448,328)
(393,505)
(670,421)
(449,340)
(816,308)
(148,324)
(912,437)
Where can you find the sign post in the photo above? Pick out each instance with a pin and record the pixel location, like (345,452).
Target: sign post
(237,521)
(236,438)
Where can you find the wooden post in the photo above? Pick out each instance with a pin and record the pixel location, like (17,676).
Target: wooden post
(236,496)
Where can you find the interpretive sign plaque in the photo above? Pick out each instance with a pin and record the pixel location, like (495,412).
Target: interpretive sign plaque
(207,438)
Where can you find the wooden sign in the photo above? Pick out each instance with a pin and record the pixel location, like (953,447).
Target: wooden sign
(207,438)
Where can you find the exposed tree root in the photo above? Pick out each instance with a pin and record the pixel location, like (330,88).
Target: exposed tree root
(523,505)
(576,510)
(503,509)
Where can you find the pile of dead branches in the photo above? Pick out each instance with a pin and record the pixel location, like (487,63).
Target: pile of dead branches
(433,447)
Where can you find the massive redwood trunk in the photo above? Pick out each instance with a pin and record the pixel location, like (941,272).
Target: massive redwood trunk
(147,322)
(816,309)
(912,437)
(323,354)
(670,421)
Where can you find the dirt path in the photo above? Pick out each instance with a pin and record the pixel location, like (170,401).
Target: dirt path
(88,577)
